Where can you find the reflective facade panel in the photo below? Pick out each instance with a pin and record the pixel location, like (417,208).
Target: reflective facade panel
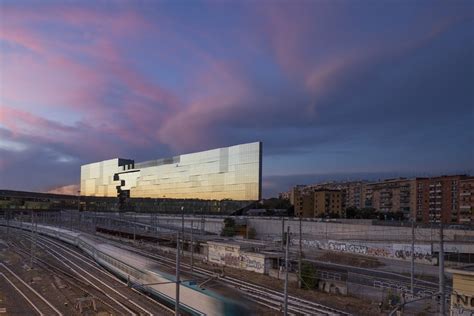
(225,173)
(97,179)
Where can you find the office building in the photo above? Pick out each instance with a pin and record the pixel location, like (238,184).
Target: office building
(229,173)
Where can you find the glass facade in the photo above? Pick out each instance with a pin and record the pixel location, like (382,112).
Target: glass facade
(232,173)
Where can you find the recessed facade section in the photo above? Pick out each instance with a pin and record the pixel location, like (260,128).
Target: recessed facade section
(232,173)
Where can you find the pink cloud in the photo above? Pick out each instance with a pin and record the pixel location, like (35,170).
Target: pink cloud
(50,75)
(70,189)
(21,37)
(24,123)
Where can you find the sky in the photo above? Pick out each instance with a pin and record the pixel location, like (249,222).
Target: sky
(334,89)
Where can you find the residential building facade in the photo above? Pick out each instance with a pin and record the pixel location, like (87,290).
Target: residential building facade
(466,201)
(316,202)
(448,199)
(391,195)
(327,202)
(438,199)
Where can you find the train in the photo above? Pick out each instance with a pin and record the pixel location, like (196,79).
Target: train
(146,275)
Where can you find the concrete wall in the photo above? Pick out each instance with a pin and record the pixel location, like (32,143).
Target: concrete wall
(271,228)
(212,225)
(275,273)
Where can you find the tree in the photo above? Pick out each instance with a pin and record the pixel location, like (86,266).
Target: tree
(392,216)
(251,233)
(367,213)
(229,227)
(275,203)
(351,212)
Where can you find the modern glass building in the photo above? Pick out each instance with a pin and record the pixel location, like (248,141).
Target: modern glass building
(229,173)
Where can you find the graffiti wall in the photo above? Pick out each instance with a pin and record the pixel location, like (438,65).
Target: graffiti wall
(423,253)
(233,256)
(253,262)
(224,255)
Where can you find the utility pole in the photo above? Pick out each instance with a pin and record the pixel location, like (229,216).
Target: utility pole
(247,228)
(285,302)
(7,213)
(300,255)
(192,248)
(155,217)
(442,302)
(79,209)
(182,228)
(412,271)
(33,241)
(176,310)
(282,231)
(203,224)
(134,226)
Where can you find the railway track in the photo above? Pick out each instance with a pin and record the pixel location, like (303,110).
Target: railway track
(39,304)
(68,277)
(125,300)
(262,295)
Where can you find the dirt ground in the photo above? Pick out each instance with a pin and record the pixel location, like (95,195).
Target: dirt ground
(346,303)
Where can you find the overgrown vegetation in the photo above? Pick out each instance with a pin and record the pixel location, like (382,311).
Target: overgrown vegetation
(308,276)
(391,299)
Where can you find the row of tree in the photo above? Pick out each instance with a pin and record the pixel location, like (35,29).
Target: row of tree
(371,213)
(350,212)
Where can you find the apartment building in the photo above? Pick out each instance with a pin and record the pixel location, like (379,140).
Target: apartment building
(391,195)
(420,200)
(466,201)
(310,202)
(355,194)
(438,199)
(327,202)
(284,195)
(448,199)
